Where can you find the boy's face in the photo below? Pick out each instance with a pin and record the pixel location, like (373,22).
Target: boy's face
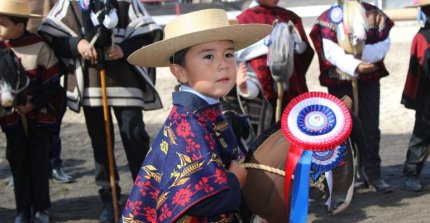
(8,29)
(210,68)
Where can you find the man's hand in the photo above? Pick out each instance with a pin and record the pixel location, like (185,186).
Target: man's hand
(86,52)
(114,52)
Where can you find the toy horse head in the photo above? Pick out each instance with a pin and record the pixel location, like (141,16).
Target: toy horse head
(351,33)
(13,80)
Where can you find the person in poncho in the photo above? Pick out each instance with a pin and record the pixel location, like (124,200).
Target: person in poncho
(28,139)
(57,172)
(416,96)
(191,173)
(267,12)
(338,67)
(86,34)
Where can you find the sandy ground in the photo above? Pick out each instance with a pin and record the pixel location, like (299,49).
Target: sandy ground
(79,201)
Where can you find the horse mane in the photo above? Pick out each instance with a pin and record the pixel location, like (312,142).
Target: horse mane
(13,72)
(355,18)
(260,139)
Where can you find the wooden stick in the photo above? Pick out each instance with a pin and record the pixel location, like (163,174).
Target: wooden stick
(355,95)
(279,101)
(109,143)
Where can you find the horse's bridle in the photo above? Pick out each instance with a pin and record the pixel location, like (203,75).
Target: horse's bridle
(266,168)
(319,183)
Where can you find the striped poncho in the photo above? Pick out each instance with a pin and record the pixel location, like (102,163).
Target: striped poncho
(127,85)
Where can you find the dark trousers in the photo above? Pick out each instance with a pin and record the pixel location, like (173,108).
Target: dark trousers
(134,137)
(55,139)
(368,113)
(55,151)
(28,160)
(419,142)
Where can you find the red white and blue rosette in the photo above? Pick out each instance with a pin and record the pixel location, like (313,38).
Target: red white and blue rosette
(323,161)
(313,122)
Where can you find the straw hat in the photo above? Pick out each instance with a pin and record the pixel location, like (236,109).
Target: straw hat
(419,3)
(196,28)
(18,8)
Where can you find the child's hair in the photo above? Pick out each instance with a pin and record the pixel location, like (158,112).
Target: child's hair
(179,57)
(426,10)
(18,19)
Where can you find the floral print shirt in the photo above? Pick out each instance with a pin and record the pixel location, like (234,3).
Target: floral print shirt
(187,166)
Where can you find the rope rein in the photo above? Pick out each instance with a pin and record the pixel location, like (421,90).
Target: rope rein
(316,184)
(265,168)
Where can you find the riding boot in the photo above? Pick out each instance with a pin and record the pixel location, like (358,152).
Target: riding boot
(107,214)
(41,217)
(59,175)
(23,216)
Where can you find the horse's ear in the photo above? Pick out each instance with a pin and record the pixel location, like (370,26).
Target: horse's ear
(13,63)
(16,60)
(12,53)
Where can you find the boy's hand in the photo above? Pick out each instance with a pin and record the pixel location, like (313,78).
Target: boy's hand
(25,109)
(241,78)
(239,171)
(347,100)
(364,68)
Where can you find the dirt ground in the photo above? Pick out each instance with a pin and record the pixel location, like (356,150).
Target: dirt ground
(79,201)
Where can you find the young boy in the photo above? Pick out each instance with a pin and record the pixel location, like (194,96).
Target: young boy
(190,173)
(27,153)
(338,67)
(267,12)
(416,96)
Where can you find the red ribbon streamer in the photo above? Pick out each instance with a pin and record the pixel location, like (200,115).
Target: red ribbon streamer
(293,158)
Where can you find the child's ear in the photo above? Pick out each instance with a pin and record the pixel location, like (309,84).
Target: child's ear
(21,27)
(179,72)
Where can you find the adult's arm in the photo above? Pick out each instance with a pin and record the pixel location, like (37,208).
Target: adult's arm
(66,47)
(132,44)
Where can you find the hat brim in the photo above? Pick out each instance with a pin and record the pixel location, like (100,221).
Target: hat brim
(158,53)
(21,15)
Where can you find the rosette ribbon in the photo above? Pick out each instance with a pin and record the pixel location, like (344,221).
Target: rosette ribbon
(313,122)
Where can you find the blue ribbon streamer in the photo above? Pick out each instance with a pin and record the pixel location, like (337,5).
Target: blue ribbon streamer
(299,205)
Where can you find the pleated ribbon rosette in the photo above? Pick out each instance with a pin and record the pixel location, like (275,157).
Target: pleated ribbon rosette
(316,124)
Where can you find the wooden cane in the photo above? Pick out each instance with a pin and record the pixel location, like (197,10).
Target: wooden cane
(358,53)
(109,143)
(355,95)
(279,101)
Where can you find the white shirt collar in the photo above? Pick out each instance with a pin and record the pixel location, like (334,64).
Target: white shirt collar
(209,100)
